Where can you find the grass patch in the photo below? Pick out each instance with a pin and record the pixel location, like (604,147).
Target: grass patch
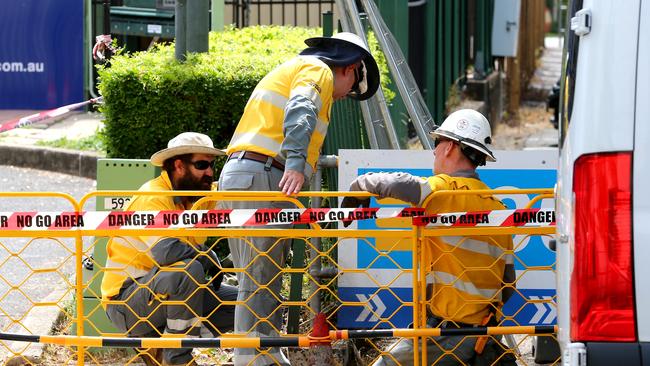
(90,143)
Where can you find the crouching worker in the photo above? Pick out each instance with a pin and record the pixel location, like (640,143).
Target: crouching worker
(144,272)
(464,274)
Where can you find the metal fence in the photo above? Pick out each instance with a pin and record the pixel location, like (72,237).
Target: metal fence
(244,13)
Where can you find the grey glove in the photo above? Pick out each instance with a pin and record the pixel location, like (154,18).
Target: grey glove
(354,202)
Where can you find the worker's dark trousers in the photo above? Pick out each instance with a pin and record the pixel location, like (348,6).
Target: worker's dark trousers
(143,298)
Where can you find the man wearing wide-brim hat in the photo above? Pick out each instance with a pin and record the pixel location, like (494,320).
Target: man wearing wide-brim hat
(275,147)
(144,272)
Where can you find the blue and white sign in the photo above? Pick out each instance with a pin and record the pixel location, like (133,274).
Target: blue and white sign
(41,53)
(387,284)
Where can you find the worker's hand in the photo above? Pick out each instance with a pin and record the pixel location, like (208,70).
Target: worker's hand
(291,182)
(354,202)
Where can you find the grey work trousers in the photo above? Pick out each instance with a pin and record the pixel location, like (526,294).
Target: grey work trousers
(143,297)
(262,258)
(401,352)
(448,351)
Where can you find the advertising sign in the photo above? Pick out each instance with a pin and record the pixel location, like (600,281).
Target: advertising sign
(41,53)
(513,169)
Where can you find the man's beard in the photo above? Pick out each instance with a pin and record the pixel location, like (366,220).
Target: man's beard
(190,183)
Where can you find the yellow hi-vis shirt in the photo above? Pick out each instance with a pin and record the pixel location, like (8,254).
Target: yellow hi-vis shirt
(130,256)
(466,272)
(268,125)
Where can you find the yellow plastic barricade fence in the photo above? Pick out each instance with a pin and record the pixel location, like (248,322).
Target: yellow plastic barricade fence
(461,260)
(263,296)
(38,270)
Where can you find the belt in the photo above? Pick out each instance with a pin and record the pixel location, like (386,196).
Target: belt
(251,155)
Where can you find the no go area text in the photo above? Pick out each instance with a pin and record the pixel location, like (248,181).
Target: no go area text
(43,221)
(168,218)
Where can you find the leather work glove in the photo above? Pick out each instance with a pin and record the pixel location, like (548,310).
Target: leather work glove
(354,202)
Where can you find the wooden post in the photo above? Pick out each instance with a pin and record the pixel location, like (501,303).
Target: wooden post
(514,86)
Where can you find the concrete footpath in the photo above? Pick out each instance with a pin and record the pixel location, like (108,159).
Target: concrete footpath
(20,147)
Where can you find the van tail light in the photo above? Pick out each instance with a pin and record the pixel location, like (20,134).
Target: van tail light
(602,292)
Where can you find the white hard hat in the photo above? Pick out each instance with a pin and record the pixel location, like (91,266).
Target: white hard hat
(470,128)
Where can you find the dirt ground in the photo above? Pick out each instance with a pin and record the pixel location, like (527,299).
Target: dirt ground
(512,133)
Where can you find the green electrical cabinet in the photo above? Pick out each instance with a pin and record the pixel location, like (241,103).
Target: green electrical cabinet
(112,174)
(146,18)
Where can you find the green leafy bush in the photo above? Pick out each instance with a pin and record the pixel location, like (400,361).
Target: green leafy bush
(149,97)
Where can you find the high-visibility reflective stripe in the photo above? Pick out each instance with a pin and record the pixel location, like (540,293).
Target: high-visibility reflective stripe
(446,279)
(509,258)
(264,142)
(205,332)
(132,271)
(182,324)
(135,243)
(474,245)
(425,191)
(271,97)
(310,93)
(253,138)
(321,127)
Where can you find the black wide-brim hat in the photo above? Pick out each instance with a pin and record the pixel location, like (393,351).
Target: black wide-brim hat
(345,49)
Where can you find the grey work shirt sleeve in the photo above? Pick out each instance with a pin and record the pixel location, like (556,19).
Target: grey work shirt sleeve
(171,250)
(402,186)
(300,118)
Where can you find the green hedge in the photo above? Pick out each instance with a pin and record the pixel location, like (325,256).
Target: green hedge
(149,97)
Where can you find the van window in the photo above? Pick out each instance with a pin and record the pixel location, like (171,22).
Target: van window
(568,84)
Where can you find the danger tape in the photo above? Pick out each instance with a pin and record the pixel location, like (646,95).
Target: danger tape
(43,116)
(100,220)
(529,217)
(173,219)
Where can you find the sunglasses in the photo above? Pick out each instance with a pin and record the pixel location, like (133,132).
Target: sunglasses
(437,141)
(202,164)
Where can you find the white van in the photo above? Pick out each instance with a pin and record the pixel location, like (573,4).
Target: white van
(603,191)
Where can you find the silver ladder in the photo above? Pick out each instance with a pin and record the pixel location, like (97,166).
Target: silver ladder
(383,131)
(376,116)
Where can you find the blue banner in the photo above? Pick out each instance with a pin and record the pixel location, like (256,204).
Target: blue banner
(41,53)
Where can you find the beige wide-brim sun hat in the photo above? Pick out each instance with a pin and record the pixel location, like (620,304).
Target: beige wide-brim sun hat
(186,143)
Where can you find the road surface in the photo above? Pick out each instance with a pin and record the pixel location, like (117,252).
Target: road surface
(36,274)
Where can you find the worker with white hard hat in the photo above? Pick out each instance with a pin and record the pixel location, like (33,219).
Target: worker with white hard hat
(458,268)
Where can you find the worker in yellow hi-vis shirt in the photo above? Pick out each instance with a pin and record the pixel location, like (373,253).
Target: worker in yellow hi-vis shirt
(275,148)
(465,275)
(156,286)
